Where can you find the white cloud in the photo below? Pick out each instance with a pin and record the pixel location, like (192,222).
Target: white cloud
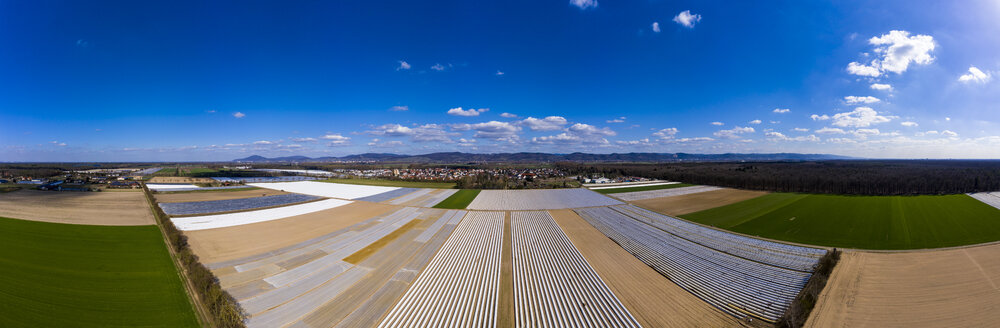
(399,108)
(57,143)
(304,139)
(239,115)
(755,122)
(947,118)
(550,123)
(780,136)
(584,4)
(841,140)
(862,133)
(336,139)
(686,19)
(438,67)
(508,115)
(975,75)
(717,123)
(860,117)
(881,87)
(500,73)
(490,130)
(656,27)
(862,70)
(403,65)
(667,133)
(263,142)
(617,120)
(458,111)
(895,52)
(899,49)
(560,138)
(800,130)
(393,130)
(590,130)
(948,133)
(781,110)
(733,133)
(823,117)
(909,124)
(829,130)
(860,100)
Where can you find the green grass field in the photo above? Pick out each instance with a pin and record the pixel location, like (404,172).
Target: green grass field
(640,188)
(66,275)
(459,200)
(395,183)
(867,222)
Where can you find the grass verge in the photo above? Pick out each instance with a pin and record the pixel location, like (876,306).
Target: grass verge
(395,183)
(864,222)
(221,309)
(640,188)
(69,275)
(802,306)
(459,200)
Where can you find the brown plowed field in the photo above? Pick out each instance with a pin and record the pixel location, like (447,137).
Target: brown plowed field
(223,244)
(652,299)
(199,196)
(947,288)
(690,203)
(97,208)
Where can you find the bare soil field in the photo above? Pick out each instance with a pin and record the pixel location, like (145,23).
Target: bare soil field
(208,195)
(180,180)
(690,203)
(947,288)
(97,208)
(223,244)
(654,300)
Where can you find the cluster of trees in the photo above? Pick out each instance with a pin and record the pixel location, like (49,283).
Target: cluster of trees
(223,310)
(883,177)
(497,181)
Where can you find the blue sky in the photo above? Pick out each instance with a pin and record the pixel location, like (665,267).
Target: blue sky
(191,81)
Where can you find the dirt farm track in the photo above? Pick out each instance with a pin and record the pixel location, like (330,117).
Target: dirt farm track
(945,288)
(97,208)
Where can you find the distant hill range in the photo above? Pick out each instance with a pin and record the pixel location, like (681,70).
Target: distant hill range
(457,157)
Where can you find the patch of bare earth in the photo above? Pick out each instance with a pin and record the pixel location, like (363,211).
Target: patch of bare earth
(77,207)
(201,196)
(690,203)
(223,244)
(652,299)
(946,288)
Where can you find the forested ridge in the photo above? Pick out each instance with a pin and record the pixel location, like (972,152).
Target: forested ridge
(870,177)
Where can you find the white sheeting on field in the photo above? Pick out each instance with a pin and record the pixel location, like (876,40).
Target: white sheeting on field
(636,185)
(640,195)
(241,218)
(166,186)
(326,189)
(540,199)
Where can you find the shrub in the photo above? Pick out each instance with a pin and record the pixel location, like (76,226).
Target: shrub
(802,306)
(225,312)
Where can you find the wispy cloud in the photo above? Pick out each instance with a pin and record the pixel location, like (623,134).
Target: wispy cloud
(656,27)
(399,108)
(403,65)
(239,115)
(781,110)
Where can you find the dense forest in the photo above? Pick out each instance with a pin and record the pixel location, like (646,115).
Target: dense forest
(881,177)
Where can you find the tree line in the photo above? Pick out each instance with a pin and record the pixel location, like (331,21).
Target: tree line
(871,177)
